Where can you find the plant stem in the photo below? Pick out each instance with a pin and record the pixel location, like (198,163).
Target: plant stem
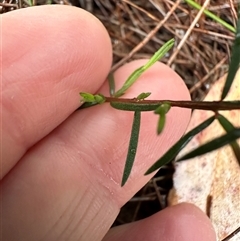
(201,105)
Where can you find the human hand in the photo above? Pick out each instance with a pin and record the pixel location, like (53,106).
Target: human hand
(61,170)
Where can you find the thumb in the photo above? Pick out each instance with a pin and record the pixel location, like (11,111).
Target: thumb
(183,222)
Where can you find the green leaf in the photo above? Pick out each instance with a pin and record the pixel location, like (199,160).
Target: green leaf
(235,60)
(135,75)
(225,123)
(111,83)
(132,149)
(99,98)
(228,126)
(161,123)
(213,145)
(177,147)
(87,97)
(91,100)
(130,81)
(134,106)
(159,54)
(87,105)
(143,95)
(212,16)
(162,110)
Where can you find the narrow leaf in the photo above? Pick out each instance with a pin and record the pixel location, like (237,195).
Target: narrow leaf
(130,81)
(228,126)
(161,123)
(87,105)
(177,147)
(143,95)
(132,149)
(235,60)
(213,145)
(91,100)
(111,83)
(211,15)
(159,54)
(135,75)
(134,106)
(162,110)
(87,97)
(99,98)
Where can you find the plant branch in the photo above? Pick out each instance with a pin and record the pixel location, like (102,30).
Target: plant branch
(149,105)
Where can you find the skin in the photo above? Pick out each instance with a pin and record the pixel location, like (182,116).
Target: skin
(61,170)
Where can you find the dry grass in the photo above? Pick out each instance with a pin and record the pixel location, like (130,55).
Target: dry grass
(137,29)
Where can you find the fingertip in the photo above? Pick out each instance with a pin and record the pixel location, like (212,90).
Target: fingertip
(182,222)
(55,31)
(52,53)
(192,223)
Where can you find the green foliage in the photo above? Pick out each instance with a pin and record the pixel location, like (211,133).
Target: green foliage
(162,110)
(212,16)
(111,83)
(176,148)
(214,144)
(228,127)
(161,107)
(235,60)
(99,98)
(136,74)
(132,149)
(96,99)
(143,95)
(87,97)
(136,106)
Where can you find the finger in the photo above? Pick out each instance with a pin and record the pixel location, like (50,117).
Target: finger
(67,187)
(182,222)
(45,65)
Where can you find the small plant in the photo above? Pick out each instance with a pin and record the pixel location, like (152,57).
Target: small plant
(161,108)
